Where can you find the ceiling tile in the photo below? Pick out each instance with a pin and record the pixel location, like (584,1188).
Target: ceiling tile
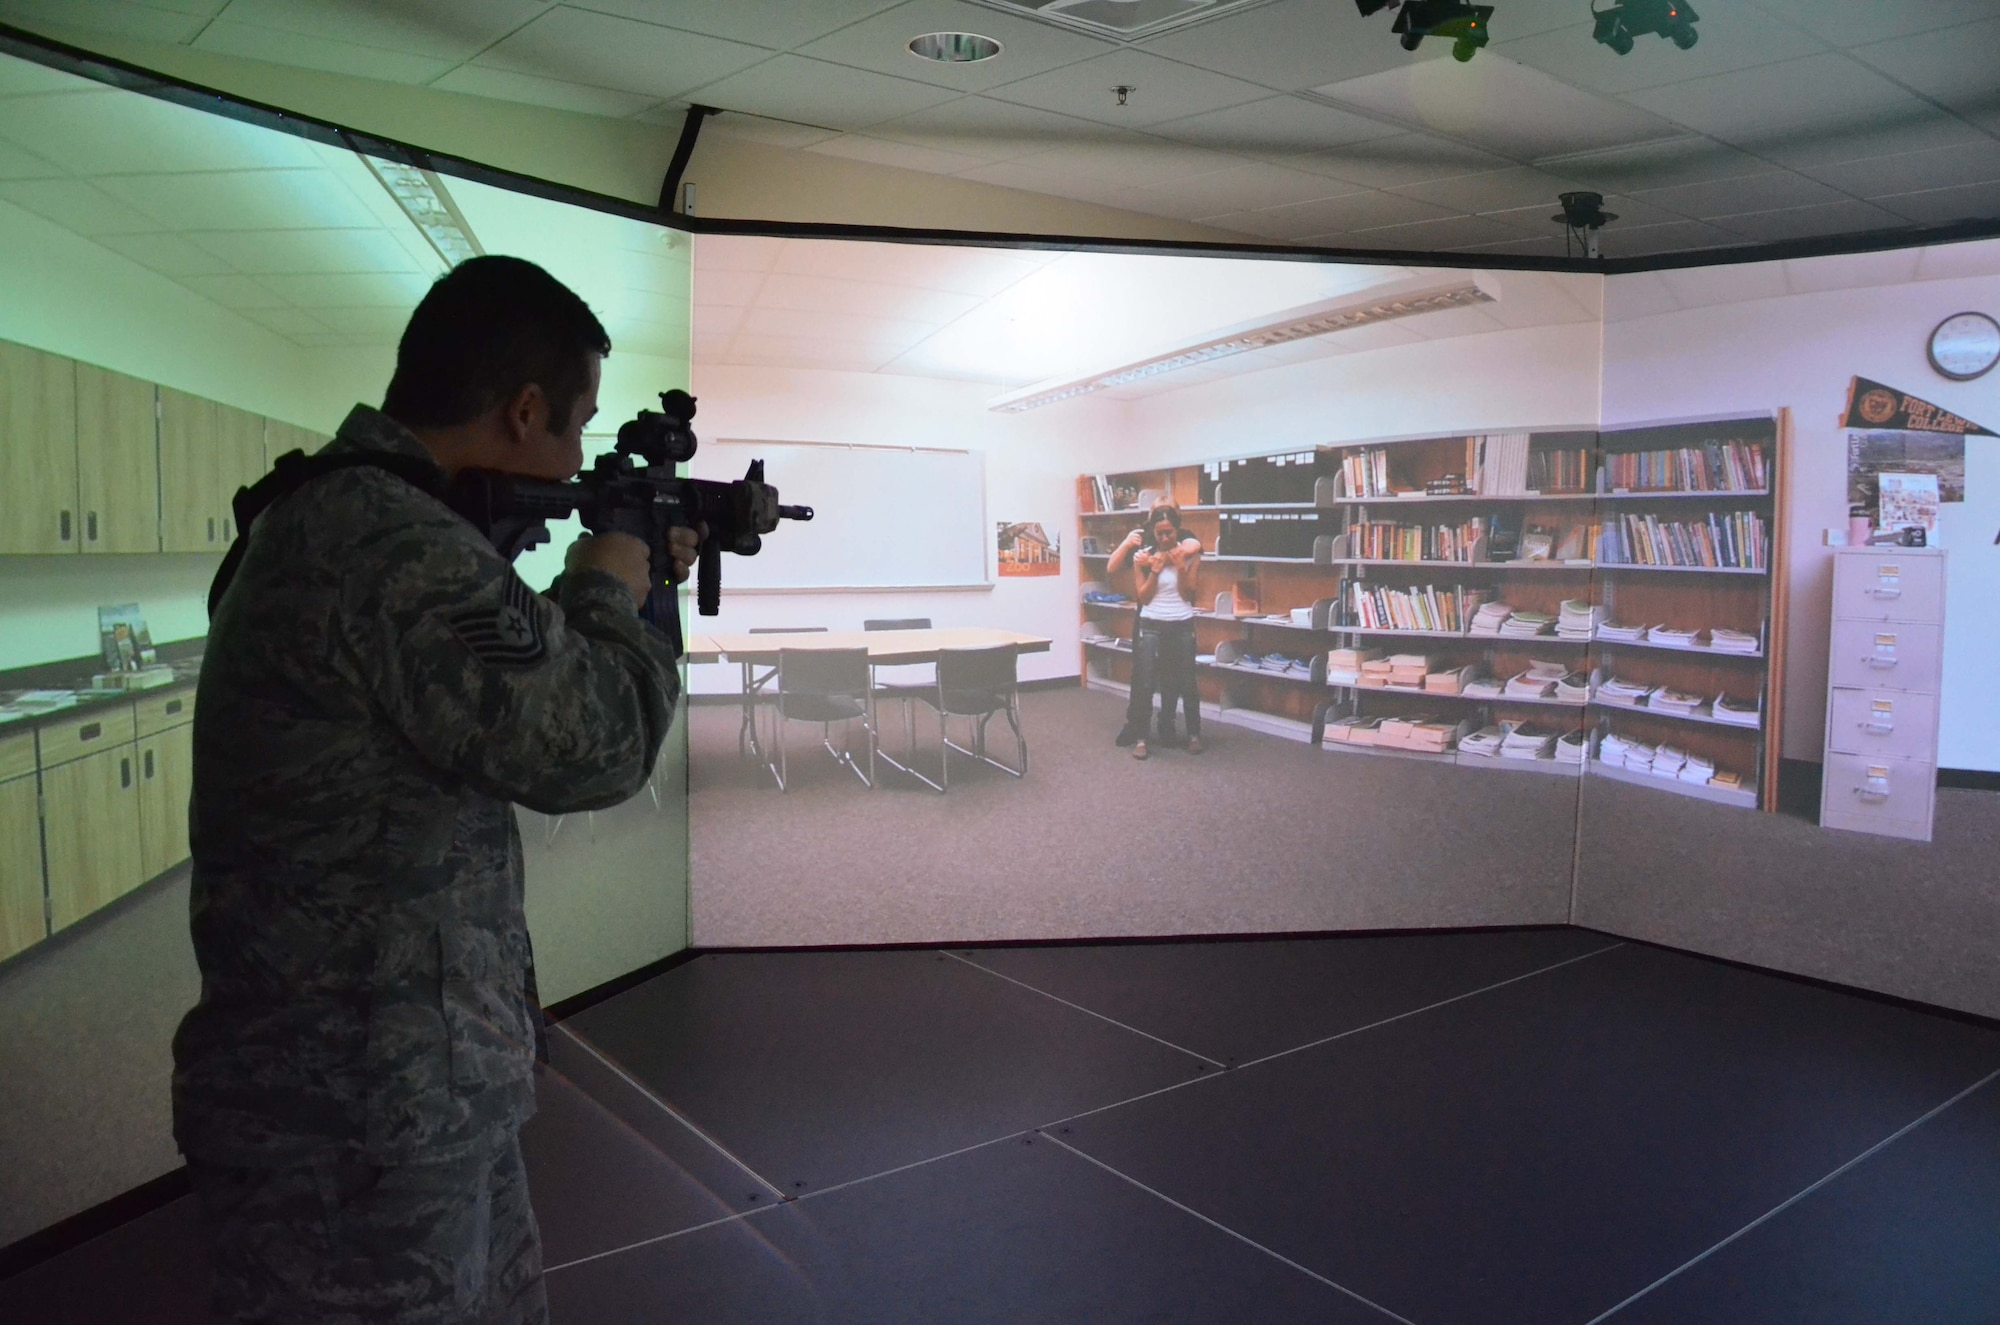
(1751,193)
(1846,217)
(1852,22)
(1274,226)
(1410,158)
(806,293)
(717,320)
(791,87)
(353,290)
(805,352)
(1132,162)
(1641,294)
(988,129)
(881,43)
(442,29)
(480,80)
(780,24)
(145,22)
(750,128)
(1940,167)
(169,255)
(1161,90)
(713,253)
(19,163)
(1734,34)
(309,252)
(1798,101)
(666,340)
(117,133)
(243,200)
(1544,298)
(237,292)
(600,50)
(1287,46)
(1966,202)
(715,283)
(1668,237)
(1247,187)
(386,324)
(1279,125)
(1918,131)
(1958,66)
(75,205)
(1357,211)
(1853,271)
(1430,236)
(26,78)
(1068,182)
(1449,323)
(1498,104)
(982,272)
(1655,165)
(252,41)
(286,321)
(763,321)
(1493,191)
(903,156)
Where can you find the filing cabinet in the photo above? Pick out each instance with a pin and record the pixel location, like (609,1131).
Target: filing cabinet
(1884,672)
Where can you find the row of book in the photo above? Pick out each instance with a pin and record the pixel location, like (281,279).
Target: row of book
(1433,607)
(1731,540)
(1366,474)
(1563,469)
(1390,540)
(1722,466)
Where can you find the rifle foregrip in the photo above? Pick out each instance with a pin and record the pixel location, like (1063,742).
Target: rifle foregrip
(708,577)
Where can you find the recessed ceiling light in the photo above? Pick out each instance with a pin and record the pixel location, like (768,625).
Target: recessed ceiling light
(954,47)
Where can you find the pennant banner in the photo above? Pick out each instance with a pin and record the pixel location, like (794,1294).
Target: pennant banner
(1872,405)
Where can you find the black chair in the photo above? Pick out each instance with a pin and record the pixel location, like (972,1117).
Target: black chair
(753,685)
(978,684)
(903,678)
(824,686)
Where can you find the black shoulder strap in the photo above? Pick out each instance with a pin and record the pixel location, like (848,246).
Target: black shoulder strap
(292,471)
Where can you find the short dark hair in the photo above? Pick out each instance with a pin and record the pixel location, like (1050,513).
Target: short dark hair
(485,329)
(1167,511)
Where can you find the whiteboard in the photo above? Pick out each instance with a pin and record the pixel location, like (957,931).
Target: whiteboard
(885,517)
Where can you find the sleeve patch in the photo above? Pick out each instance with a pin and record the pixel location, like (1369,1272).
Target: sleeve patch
(513,635)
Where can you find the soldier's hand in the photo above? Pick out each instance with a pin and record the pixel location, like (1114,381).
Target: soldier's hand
(622,555)
(684,545)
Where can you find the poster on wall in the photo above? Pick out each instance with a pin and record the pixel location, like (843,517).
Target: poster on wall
(1027,549)
(1905,456)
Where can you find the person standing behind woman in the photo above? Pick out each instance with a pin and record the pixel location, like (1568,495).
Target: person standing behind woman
(1167,573)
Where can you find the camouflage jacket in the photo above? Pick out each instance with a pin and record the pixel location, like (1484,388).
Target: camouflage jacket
(378,686)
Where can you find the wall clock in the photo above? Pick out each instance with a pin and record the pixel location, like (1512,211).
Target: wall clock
(1965,345)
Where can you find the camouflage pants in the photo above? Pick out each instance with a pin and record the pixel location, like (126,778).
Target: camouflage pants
(446,1243)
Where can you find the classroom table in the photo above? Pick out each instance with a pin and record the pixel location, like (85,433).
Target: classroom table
(885,648)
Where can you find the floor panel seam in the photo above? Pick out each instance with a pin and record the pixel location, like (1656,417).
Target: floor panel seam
(671,1111)
(1080,1008)
(1224,1228)
(1787,1204)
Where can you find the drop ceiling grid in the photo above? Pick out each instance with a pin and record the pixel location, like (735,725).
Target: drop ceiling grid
(1727,96)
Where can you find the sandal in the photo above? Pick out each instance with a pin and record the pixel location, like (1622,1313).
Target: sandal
(1139,750)
(1194,745)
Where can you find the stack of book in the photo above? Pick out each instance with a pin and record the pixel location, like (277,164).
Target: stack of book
(1408,669)
(1629,694)
(1672,636)
(1490,618)
(1343,666)
(1724,640)
(1668,700)
(1578,619)
(1527,741)
(1524,624)
(1353,731)
(1487,740)
(1452,680)
(1375,672)
(1574,688)
(1571,747)
(1736,712)
(1613,632)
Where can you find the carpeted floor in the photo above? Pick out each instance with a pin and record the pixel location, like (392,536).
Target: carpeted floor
(1258,835)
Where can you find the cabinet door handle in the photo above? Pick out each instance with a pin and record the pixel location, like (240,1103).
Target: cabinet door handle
(211,529)
(1878,662)
(90,527)
(125,772)
(149,765)
(225,529)
(90,731)
(174,706)
(62,524)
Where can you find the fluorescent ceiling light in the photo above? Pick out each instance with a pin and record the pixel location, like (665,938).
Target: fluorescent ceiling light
(425,200)
(1380,304)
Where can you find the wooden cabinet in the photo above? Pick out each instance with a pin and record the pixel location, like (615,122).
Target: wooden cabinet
(166,781)
(38,495)
(117,462)
(90,831)
(191,469)
(240,457)
(22,922)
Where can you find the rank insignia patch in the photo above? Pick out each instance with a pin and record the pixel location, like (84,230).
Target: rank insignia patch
(512,635)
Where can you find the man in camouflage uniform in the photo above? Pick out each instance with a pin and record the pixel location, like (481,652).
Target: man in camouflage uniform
(378,687)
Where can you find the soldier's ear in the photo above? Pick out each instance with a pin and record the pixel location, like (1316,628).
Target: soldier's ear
(526,414)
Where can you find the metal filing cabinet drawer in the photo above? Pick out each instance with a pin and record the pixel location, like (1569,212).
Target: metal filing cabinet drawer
(1880,584)
(1876,794)
(1899,724)
(98,728)
(17,754)
(1886,655)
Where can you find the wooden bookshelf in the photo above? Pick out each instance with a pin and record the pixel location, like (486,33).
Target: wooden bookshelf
(1696,525)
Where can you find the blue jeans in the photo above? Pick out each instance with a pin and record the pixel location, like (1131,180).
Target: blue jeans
(1163,664)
